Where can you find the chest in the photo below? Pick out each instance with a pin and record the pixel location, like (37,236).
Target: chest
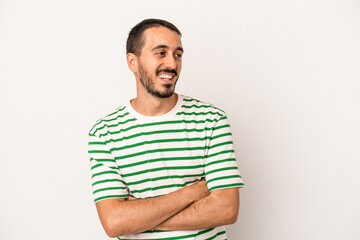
(157,160)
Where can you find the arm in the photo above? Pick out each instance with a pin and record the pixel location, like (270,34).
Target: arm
(223,179)
(120,217)
(219,208)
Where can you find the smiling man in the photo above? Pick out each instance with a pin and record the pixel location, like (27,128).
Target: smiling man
(163,164)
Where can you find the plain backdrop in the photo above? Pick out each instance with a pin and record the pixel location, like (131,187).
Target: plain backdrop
(286,73)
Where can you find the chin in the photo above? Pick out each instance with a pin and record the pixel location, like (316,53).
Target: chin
(165,95)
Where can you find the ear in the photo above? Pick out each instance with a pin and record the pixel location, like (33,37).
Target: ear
(131,60)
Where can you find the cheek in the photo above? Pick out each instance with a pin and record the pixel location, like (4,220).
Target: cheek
(179,67)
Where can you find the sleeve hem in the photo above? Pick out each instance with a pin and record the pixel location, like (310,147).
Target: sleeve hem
(236,185)
(96,200)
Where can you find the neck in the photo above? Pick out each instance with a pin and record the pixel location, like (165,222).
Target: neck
(150,105)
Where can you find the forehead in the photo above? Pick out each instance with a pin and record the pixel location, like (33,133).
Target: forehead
(161,36)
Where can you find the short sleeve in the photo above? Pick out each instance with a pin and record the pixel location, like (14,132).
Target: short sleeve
(221,169)
(107,181)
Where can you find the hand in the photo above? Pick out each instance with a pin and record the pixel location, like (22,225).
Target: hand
(199,190)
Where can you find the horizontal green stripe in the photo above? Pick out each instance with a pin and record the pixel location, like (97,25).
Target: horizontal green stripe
(118,110)
(190,100)
(220,144)
(101,120)
(164,123)
(162,132)
(100,160)
(174,140)
(112,119)
(220,170)
(167,141)
(159,150)
(163,187)
(203,106)
(226,186)
(153,132)
(200,113)
(159,160)
(102,173)
(115,125)
(109,188)
(99,151)
(218,153)
(220,135)
(97,143)
(163,178)
(220,161)
(108,180)
(105,160)
(165,131)
(96,166)
(167,159)
(197,106)
(102,165)
(170,131)
(221,126)
(161,169)
(110,196)
(216,235)
(222,178)
(159,141)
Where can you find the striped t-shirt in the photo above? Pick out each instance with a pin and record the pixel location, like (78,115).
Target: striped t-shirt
(150,156)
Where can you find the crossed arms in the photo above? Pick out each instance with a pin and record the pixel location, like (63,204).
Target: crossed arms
(189,208)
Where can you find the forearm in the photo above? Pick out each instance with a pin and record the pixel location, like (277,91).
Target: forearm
(217,209)
(128,217)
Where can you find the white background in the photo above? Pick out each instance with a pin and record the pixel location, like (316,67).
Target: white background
(286,72)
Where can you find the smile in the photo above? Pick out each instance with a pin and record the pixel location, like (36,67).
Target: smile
(166,76)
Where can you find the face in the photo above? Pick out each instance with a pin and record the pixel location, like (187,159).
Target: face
(159,64)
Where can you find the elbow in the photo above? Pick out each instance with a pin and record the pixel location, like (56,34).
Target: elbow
(228,204)
(114,224)
(111,234)
(111,230)
(231,215)
(227,210)
(114,227)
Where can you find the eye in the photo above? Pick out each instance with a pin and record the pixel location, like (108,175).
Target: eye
(178,55)
(161,53)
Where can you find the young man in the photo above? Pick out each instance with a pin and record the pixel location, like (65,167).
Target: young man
(163,164)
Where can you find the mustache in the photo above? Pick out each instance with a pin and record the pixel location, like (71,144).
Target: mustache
(173,71)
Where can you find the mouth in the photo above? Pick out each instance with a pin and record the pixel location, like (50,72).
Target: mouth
(166,77)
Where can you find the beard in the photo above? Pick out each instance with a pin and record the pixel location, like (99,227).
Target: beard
(149,83)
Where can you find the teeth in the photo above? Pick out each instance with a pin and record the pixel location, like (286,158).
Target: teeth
(166,76)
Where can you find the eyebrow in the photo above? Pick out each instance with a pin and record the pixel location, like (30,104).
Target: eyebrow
(166,47)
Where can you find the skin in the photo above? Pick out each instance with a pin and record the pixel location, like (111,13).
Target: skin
(121,217)
(192,207)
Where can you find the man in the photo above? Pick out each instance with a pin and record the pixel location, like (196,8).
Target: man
(163,164)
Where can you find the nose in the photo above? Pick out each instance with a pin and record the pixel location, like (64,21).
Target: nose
(170,62)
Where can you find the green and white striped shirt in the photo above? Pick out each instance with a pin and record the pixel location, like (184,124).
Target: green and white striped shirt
(147,157)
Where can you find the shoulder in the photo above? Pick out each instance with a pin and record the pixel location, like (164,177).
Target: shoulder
(199,107)
(114,119)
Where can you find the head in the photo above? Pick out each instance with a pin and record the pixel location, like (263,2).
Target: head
(154,52)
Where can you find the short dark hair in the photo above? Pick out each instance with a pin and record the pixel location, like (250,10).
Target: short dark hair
(135,41)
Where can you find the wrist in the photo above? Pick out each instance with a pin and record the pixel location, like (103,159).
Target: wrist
(188,194)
